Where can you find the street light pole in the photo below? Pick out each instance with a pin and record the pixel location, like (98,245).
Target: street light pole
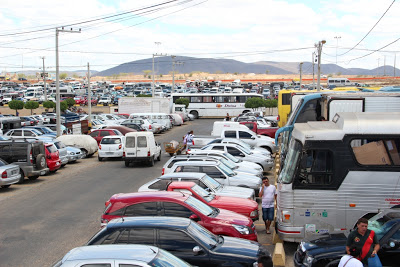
(173,73)
(89,95)
(337,44)
(313,60)
(301,66)
(44,81)
(320,44)
(58,109)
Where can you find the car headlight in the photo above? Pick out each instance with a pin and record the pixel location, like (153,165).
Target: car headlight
(308,260)
(254,213)
(72,153)
(244,230)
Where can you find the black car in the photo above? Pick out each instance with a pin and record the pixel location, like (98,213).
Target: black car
(134,126)
(183,238)
(327,250)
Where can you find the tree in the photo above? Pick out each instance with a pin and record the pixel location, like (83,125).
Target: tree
(146,73)
(63,76)
(49,104)
(182,101)
(63,106)
(338,73)
(16,105)
(254,103)
(267,72)
(270,103)
(70,102)
(143,95)
(31,105)
(21,75)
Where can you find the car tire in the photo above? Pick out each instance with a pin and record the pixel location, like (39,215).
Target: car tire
(84,153)
(159,157)
(152,161)
(21,180)
(40,161)
(5,186)
(33,177)
(100,158)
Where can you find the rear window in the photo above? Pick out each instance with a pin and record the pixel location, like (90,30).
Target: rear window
(130,141)
(51,149)
(110,141)
(142,141)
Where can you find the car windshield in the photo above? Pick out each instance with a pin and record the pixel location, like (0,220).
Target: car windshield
(59,145)
(110,141)
(245,150)
(228,163)
(226,170)
(165,259)
(232,158)
(380,227)
(204,236)
(211,183)
(203,193)
(3,163)
(46,130)
(289,167)
(199,206)
(51,149)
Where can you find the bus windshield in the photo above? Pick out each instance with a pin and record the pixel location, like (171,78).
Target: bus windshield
(294,112)
(292,158)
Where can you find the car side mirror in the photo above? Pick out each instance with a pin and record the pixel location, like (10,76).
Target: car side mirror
(194,217)
(197,250)
(253,137)
(241,155)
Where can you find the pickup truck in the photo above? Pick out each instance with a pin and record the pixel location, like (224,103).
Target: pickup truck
(252,125)
(246,207)
(244,134)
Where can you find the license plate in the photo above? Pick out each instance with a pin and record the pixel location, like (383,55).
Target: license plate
(14,172)
(42,172)
(130,154)
(109,153)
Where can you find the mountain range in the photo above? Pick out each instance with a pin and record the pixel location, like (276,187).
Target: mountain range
(163,65)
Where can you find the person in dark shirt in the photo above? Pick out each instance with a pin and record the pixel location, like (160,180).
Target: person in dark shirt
(367,241)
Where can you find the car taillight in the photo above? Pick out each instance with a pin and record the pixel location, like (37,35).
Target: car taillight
(120,146)
(150,126)
(163,171)
(4,175)
(31,122)
(123,154)
(31,157)
(100,147)
(148,153)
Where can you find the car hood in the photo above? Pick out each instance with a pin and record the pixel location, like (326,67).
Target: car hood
(241,248)
(235,191)
(248,171)
(248,164)
(231,217)
(333,243)
(230,203)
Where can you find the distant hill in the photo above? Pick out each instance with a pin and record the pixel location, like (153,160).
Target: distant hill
(163,65)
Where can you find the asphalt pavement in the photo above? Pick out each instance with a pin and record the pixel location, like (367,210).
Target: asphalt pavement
(43,219)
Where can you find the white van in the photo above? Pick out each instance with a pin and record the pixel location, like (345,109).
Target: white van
(141,146)
(160,118)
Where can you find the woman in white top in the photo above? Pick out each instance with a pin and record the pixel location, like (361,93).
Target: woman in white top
(352,259)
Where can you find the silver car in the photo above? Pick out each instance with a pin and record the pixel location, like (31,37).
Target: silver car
(9,174)
(202,180)
(120,255)
(73,154)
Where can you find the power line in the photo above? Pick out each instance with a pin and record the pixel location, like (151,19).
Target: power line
(369,30)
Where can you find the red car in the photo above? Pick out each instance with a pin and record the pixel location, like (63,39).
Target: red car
(100,133)
(52,157)
(178,204)
(246,207)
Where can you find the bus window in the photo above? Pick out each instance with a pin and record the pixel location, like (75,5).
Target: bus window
(286,99)
(316,168)
(195,99)
(310,112)
(207,99)
(376,151)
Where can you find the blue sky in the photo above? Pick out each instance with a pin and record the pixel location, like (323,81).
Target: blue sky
(264,30)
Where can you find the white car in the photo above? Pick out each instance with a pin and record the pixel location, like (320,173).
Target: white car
(86,143)
(203,180)
(105,101)
(111,146)
(141,146)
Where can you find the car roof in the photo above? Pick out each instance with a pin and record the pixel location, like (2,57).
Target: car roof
(150,222)
(151,195)
(121,252)
(210,162)
(195,175)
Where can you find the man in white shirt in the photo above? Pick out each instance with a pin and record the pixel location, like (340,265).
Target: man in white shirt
(352,259)
(268,196)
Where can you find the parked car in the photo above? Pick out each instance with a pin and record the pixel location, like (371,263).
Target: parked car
(118,256)
(246,207)
(26,121)
(141,146)
(28,154)
(220,173)
(85,143)
(100,133)
(52,157)
(123,129)
(105,101)
(203,180)
(162,203)
(183,238)
(26,133)
(134,126)
(328,249)
(9,174)
(111,147)
(43,129)
(73,154)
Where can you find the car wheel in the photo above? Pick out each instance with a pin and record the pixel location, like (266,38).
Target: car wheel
(152,161)
(40,161)
(33,177)
(5,186)
(159,157)
(21,180)
(100,158)
(84,153)
(127,163)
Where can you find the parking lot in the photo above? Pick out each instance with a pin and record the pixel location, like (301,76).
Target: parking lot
(45,218)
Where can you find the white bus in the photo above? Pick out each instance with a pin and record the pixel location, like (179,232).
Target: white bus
(338,171)
(216,105)
(339,82)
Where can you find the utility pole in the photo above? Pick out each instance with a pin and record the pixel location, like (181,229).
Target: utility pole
(44,81)
(394,66)
(337,44)
(313,61)
(301,69)
(384,65)
(58,109)
(319,46)
(89,95)
(174,63)
(377,70)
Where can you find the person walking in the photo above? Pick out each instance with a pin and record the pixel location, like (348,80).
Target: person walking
(351,260)
(268,196)
(189,140)
(367,241)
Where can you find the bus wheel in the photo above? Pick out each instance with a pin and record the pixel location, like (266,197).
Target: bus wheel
(195,114)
